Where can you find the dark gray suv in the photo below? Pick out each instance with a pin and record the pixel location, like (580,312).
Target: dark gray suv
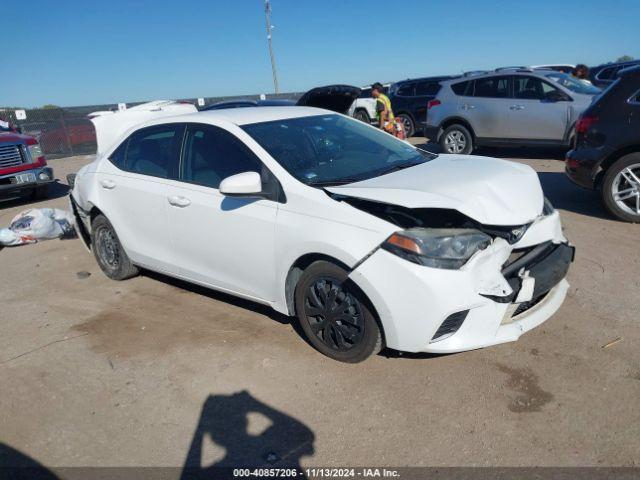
(520,107)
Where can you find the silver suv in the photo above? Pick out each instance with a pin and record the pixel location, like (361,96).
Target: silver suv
(508,107)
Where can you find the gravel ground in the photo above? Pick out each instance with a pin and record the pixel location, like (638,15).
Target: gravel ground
(154,372)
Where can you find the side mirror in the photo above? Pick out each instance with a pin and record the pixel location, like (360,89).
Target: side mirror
(245,184)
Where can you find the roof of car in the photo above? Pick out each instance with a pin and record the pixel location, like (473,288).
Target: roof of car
(630,70)
(502,73)
(248,115)
(616,64)
(433,78)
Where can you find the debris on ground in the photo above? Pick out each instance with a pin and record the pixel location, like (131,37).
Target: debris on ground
(37,224)
(83,274)
(612,342)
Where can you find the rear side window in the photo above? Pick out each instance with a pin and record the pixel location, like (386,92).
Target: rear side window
(118,156)
(154,151)
(492,87)
(461,88)
(406,90)
(212,154)
(607,73)
(365,93)
(427,88)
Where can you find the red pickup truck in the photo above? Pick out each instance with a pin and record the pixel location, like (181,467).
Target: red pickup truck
(23,168)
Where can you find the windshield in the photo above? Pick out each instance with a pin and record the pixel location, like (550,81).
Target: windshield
(332,149)
(574,84)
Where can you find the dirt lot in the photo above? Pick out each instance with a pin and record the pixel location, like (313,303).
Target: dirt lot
(154,372)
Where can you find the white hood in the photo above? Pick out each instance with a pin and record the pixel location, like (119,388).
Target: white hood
(488,190)
(111,125)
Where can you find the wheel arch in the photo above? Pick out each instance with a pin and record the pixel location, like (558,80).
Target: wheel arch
(302,263)
(454,121)
(611,159)
(295,272)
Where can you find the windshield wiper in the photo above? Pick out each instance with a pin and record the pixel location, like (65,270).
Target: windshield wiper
(402,166)
(333,183)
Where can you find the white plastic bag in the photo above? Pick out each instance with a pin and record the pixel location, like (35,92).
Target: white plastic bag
(36,224)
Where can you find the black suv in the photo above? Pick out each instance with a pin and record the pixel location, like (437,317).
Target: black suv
(606,154)
(604,75)
(409,100)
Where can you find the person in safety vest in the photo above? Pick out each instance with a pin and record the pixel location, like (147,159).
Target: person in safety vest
(386,119)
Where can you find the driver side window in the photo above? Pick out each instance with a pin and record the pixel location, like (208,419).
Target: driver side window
(212,154)
(531,88)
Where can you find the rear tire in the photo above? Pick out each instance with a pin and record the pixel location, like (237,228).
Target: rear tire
(362,115)
(335,315)
(621,188)
(456,139)
(108,251)
(407,123)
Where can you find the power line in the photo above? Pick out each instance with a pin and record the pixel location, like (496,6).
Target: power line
(267,12)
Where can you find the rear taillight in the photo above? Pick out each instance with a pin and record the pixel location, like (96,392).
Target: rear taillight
(35,152)
(433,103)
(585,123)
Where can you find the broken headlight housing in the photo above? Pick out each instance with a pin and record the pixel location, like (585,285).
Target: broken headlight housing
(448,248)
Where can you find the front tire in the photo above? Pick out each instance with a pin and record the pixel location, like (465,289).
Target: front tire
(456,139)
(407,124)
(108,251)
(621,188)
(334,314)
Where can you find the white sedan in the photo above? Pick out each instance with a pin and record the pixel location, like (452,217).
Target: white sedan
(367,240)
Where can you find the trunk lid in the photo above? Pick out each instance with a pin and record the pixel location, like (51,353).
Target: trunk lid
(337,98)
(111,125)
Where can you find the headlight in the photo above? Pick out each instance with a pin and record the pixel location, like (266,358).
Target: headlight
(448,248)
(547,208)
(36,152)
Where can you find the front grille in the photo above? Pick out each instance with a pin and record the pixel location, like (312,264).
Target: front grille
(10,156)
(450,325)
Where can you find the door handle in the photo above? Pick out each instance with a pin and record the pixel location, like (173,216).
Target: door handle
(108,184)
(179,201)
(516,107)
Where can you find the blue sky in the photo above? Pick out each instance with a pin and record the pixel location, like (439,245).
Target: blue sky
(79,52)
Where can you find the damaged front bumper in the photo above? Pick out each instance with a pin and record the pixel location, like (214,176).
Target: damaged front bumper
(502,292)
(83,222)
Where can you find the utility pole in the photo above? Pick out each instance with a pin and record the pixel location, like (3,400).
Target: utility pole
(267,12)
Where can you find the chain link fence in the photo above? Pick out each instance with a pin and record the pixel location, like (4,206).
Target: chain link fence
(63,132)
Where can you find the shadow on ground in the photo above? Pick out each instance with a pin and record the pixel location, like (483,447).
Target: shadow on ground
(220,296)
(56,190)
(542,153)
(16,465)
(249,432)
(565,195)
(252,435)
